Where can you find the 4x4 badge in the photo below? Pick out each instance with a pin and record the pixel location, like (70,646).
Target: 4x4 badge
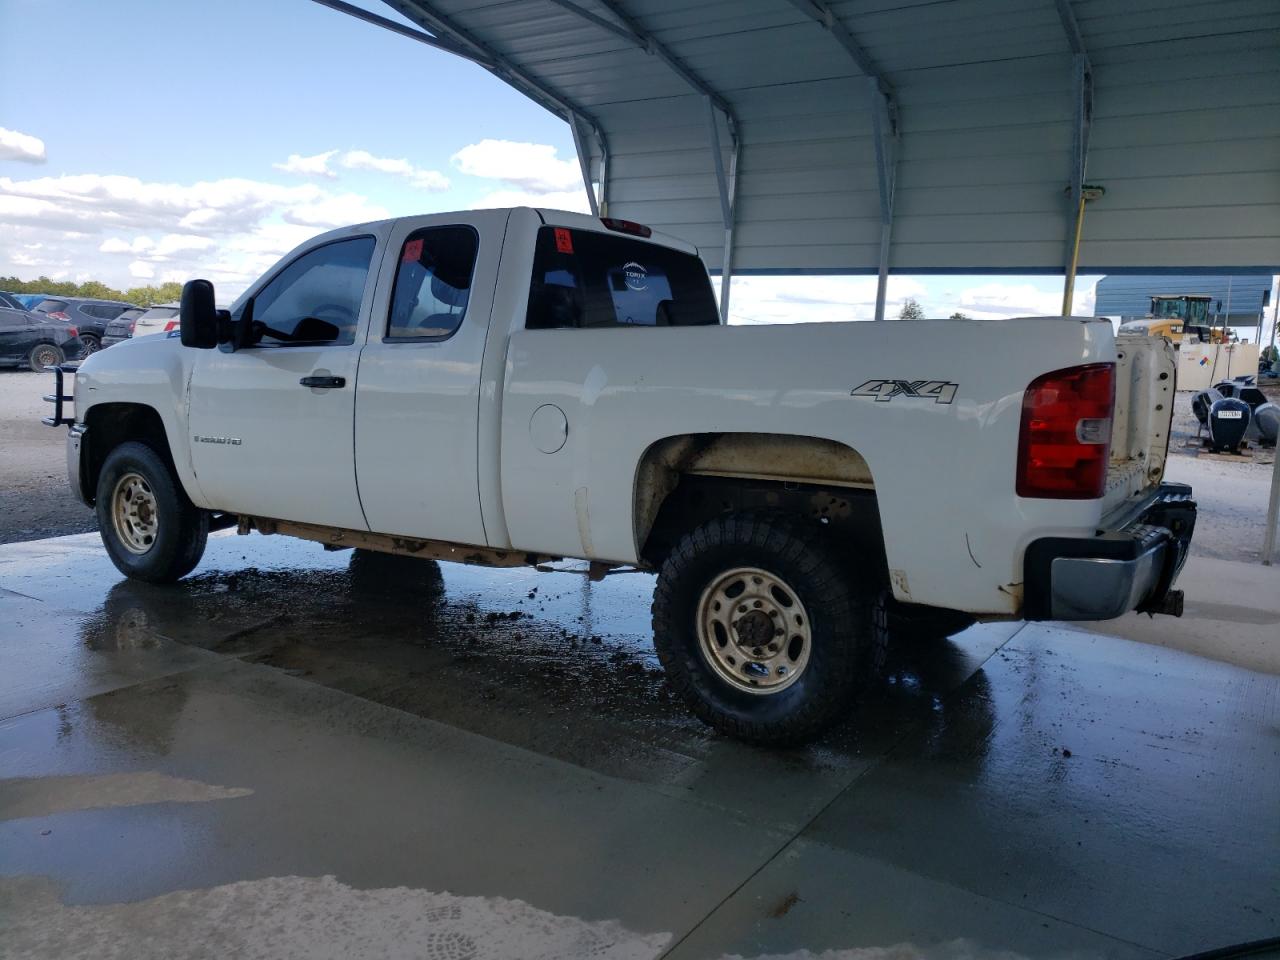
(940,391)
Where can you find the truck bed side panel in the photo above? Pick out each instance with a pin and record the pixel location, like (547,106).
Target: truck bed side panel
(943,471)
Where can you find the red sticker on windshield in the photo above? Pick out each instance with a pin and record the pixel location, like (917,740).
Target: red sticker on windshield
(564,240)
(412,252)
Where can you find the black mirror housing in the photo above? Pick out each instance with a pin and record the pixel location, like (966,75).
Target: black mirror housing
(198,315)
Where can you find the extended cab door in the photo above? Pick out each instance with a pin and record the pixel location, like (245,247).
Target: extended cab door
(419,392)
(271,424)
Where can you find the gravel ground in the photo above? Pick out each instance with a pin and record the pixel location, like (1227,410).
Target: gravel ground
(35,501)
(1231,491)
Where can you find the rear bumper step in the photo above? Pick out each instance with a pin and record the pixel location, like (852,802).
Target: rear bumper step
(1104,577)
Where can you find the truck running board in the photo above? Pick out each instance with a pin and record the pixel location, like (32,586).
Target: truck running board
(336,538)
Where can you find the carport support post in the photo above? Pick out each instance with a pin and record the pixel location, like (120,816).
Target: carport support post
(584,163)
(885,127)
(726,184)
(1273,513)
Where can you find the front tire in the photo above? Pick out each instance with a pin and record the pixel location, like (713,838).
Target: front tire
(45,356)
(89,344)
(151,530)
(764,629)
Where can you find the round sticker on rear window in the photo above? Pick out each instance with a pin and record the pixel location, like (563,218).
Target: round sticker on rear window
(636,275)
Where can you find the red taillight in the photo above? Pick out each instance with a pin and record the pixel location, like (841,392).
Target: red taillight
(170,325)
(1065,442)
(59,315)
(627,226)
(73,331)
(133,325)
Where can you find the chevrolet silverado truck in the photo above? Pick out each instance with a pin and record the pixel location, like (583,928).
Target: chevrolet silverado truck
(508,387)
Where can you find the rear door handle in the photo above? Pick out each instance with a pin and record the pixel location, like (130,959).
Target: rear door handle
(324,382)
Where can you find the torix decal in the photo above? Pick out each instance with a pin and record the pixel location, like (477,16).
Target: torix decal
(939,391)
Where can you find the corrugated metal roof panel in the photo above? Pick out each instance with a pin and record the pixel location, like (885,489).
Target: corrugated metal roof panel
(1184,134)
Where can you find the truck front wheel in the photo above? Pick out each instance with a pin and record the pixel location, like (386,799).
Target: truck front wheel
(151,530)
(763,627)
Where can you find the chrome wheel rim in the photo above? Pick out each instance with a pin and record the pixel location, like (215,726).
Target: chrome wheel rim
(134,514)
(753,631)
(88,345)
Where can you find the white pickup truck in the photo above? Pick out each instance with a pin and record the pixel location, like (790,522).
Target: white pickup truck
(510,386)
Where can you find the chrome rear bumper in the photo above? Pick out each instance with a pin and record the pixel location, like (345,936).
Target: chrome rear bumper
(1106,576)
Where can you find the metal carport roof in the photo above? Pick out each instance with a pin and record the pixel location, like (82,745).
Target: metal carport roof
(914,136)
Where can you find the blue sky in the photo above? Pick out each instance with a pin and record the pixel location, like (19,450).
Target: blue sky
(185,91)
(166,133)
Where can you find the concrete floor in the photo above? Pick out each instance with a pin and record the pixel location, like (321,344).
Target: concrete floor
(296,753)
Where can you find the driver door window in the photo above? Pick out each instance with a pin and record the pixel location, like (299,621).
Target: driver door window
(315,299)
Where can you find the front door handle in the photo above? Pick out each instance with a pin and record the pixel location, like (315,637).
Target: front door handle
(323,382)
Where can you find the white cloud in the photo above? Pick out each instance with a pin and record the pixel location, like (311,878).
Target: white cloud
(399,167)
(21,146)
(172,243)
(814,299)
(313,166)
(532,167)
(336,211)
(123,230)
(573,200)
(91,202)
(118,245)
(991,301)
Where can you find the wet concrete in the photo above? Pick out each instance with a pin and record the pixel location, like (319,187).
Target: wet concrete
(295,752)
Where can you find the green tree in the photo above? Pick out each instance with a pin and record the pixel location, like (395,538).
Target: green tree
(911,310)
(148,296)
(959,316)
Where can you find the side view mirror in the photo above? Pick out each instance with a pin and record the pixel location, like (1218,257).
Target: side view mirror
(198,315)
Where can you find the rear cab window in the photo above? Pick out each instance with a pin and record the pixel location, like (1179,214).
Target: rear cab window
(586,279)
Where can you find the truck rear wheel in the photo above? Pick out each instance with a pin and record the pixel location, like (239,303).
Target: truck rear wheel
(151,530)
(763,628)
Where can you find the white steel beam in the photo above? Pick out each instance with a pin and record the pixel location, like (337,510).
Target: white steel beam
(885,128)
(1082,102)
(440,43)
(726,184)
(884,120)
(623,25)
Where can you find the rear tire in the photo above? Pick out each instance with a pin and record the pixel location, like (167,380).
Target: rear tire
(45,356)
(801,633)
(151,530)
(89,344)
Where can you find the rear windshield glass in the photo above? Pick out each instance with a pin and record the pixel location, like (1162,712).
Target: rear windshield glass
(587,279)
(160,313)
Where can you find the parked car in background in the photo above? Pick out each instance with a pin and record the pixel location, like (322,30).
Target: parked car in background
(158,319)
(32,339)
(121,328)
(29,300)
(88,316)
